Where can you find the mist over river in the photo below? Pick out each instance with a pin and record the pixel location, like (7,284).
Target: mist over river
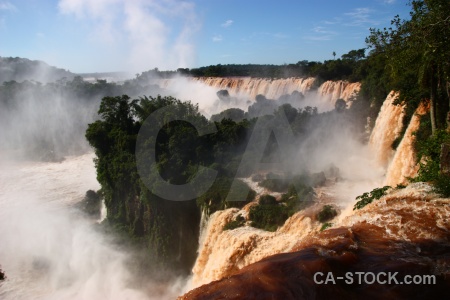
(49,249)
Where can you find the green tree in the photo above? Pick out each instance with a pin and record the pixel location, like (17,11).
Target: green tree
(354,55)
(416,52)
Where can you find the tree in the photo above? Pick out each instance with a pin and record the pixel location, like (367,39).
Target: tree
(334,54)
(340,105)
(354,55)
(417,53)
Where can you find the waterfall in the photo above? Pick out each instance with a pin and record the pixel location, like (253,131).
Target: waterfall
(274,88)
(401,163)
(223,252)
(203,225)
(103,212)
(404,163)
(333,90)
(271,88)
(388,126)
(248,88)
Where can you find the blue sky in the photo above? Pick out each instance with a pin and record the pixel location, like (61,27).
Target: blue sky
(138,35)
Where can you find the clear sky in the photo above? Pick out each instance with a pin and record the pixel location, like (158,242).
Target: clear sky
(138,35)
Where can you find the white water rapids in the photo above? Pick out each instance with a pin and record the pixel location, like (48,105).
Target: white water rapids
(48,250)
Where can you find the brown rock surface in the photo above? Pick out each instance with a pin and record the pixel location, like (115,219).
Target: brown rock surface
(406,231)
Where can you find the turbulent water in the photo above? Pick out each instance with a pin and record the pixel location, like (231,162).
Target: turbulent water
(404,164)
(405,233)
(388,126)
(223,253)
(48,250)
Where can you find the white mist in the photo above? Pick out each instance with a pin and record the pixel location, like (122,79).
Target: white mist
(48,249)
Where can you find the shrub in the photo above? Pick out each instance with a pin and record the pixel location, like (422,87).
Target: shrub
(297,198)
(267,200)
(268,214)
(400,186)
(429,151)
(239,222)
(91,204)
(367,198)
(442,185)
(325,226)
(215,198)
(327,213)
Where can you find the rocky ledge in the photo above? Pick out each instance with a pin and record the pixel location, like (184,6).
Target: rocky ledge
(404,233)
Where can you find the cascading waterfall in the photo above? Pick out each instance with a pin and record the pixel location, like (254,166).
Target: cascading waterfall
(333,90)
(271,88)
(423,222)
(403,233)
(53,254)
(388,126)
(103,212)
(221,253)
(204,219)
(404,163)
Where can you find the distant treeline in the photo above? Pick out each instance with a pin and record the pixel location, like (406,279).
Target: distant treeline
(351,66)
(20,69)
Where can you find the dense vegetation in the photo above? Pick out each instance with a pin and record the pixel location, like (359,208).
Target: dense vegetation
(417,56)
(415,53)
(234,148)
